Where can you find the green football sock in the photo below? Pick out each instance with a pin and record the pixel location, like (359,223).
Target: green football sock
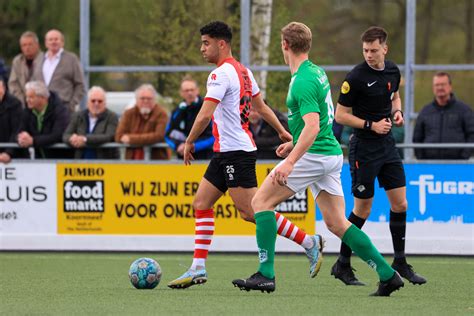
(266,238)
(360,243)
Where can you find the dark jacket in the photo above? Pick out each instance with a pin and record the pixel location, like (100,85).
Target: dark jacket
(452,123)
(266,137)
(180,124)
(10,116)
(103,132)
(55,122)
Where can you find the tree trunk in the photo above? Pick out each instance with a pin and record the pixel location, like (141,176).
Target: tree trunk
(261,21)
(425,48)
(469,31)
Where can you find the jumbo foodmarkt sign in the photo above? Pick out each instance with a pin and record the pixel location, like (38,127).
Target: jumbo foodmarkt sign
(152,200)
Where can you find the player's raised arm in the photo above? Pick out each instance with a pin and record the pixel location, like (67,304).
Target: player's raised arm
(269,116)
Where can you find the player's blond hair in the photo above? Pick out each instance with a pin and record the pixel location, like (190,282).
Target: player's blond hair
(298,36)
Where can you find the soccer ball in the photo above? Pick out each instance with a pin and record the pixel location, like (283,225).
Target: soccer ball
(145,273)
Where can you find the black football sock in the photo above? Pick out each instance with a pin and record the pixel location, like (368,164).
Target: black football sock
(398,225)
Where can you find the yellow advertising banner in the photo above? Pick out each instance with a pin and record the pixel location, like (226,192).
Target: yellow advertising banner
(153,199)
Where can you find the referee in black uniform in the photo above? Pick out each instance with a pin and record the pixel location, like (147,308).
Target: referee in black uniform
(370,102)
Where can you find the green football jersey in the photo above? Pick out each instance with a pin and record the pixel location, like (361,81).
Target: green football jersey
(309,91)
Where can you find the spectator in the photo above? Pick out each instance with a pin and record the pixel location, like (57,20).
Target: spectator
(10,114)
(26,65)
(182,119)
(43,122)
(143,125)
(265,137)
(93,127)
(444,120)
(62,71)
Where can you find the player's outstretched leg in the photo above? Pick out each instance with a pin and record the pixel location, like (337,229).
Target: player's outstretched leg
(400,264)
(264,279)
(204,230)
(358,241)
(313,245)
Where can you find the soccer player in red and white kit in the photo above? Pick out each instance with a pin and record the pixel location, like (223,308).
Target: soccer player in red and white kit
(231,92)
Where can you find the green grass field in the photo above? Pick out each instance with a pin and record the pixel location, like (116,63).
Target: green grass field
(97,284)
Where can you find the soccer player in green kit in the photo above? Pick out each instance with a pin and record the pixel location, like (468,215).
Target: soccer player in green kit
(313,159)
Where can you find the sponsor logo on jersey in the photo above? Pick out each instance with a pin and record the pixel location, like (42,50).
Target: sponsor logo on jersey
(345,88)
(213,77)
(323,79)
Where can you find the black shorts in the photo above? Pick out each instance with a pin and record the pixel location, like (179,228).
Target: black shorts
(374,158)
(232,169)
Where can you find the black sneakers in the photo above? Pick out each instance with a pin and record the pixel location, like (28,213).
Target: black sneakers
(391,285)
(345,274)
(406,271)
(256,282)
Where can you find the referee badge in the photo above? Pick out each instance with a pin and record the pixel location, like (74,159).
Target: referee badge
(345,87)
(389,86)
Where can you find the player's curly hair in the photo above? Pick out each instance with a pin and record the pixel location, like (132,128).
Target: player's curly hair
(217,29)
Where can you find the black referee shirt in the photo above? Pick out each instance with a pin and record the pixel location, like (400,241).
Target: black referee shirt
(370,92)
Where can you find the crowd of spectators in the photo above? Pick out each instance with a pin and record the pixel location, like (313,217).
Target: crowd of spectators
(40,106)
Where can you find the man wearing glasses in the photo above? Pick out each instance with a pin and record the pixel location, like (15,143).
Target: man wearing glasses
(93,127)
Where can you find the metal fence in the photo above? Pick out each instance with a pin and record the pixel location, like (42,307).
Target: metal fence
(147,149)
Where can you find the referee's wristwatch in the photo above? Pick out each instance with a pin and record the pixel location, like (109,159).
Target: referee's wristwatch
(401,112)
(368,125)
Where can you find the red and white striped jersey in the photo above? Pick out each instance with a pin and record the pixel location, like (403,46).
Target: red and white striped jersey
(232,86)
